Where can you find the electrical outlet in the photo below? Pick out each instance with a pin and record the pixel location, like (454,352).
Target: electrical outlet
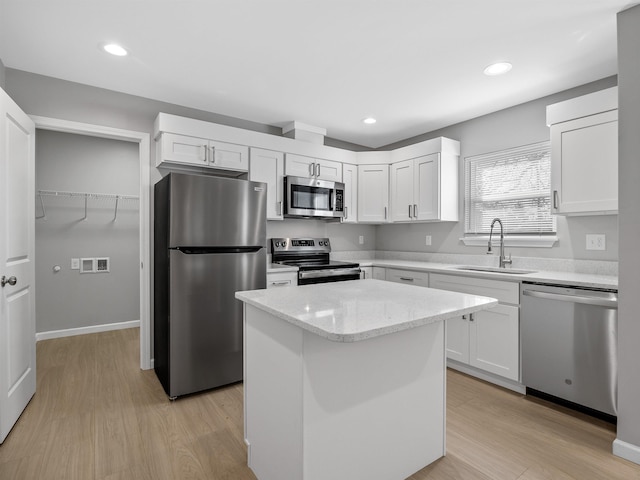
(75,264)
(596,242)
(427,240)
(361,239)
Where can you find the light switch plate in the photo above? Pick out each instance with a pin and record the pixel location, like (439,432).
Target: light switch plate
(427,240)
(596,241)
(75,264)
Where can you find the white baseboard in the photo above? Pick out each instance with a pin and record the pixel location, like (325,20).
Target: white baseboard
(70,332)
(628,451)
(487,377)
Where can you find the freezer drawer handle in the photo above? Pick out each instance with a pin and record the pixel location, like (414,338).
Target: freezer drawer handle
(601,302)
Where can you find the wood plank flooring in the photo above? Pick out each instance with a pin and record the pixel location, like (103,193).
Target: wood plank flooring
(97,416)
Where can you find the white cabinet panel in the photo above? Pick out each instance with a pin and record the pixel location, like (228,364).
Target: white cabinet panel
(373,193)
(494,338)
(229,156)
(183,149)
(379,273)
(302,166)
(425,189)
(458,339)
(282,279)
(268,166)
(366,272)
(401,191)
(490,339)
(584,173)
(202,152)
(408,277)
(350,180)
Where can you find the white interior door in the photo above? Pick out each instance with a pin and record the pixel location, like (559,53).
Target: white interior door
(17,226)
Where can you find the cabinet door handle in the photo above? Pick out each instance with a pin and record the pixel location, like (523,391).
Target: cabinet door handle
(280,208)
(213,155)
(281,283)
(471,317)
(346,213)
(317,169)
(205,151)
(312,169)
(555,199)
(407,279)
(415,211)
(385,213)
(410,211)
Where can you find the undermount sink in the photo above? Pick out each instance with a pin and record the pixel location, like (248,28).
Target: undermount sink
(512,271)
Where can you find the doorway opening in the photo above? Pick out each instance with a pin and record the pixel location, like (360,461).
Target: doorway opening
(143,142)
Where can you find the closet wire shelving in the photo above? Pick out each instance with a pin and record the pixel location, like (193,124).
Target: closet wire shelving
(87,196)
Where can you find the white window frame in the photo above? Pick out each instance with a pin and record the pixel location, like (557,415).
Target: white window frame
(529,239)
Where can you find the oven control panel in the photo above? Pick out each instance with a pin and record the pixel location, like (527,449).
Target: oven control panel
(310,245)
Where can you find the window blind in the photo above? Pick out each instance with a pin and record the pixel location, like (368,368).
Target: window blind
(512,185)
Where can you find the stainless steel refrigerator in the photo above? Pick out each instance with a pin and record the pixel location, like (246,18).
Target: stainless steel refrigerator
(209,242)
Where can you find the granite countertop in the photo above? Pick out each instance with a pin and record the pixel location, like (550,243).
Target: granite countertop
(561,278)
(359,309)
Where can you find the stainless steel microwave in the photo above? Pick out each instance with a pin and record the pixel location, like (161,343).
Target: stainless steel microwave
(310,197)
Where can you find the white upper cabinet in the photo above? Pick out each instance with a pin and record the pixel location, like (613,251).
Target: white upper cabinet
(373,193)
(350,179)
(303,166)
(202,152)
(584,154)
(425,189)
(268,166)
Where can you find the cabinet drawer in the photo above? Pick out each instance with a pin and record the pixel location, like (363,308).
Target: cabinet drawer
(408,277)
(505,292)
(282,279)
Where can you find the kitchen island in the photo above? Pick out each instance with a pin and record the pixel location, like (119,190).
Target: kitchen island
(346,380)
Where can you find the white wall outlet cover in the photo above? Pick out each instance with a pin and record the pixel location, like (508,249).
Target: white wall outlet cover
(427,240)
(361,239)
(75,264)
(596,241)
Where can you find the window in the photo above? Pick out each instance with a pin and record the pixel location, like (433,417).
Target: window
(512,185)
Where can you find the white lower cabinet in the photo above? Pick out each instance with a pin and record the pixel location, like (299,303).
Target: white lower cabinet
(282,279)
(379,273)
(408,277)
(366,272)
(488,340)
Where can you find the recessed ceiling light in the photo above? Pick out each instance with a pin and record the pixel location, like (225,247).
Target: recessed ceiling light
(497,68)
(369,120)
(115,49)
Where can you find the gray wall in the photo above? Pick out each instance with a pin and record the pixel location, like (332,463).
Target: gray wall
(2,75)
(520,125)
(77,163)
(629,196)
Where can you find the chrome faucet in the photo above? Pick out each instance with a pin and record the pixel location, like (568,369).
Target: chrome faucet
(503,261)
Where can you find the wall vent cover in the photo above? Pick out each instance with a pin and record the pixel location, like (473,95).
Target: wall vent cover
(102,264)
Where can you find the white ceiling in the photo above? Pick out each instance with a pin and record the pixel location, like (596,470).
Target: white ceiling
(415,65)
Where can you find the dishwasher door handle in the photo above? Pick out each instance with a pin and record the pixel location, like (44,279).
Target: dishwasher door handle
(601,302)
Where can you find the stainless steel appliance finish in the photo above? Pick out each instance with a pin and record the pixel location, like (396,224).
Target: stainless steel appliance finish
(209,242)
(311,256)
(569,338)
(310,197)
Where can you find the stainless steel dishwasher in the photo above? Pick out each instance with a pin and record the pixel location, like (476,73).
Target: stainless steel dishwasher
(569,344)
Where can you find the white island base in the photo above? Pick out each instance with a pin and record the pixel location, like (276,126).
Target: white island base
(354,401)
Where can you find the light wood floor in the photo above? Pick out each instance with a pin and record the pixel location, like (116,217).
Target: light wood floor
(97,416)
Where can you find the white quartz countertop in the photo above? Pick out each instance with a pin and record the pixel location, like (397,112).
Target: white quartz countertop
(359,309)
(560,278)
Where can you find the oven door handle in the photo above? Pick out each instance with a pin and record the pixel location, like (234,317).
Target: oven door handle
(334,272)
